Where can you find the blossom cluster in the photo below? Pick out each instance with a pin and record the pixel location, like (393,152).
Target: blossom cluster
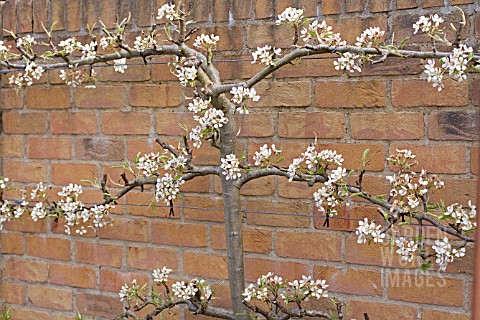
(75,78)
(187,290)
(444,253)
(464,217)
(269,288)
(349,62)
(231,167)
(167,187)
(292,16)
(161,275)
(406,248)
(210,120)
(315,161)
(368,231)
(186,74)
(321,34)
(206,42)
(430,25)
(168,11)
(120,65)
(144,43)
(370,37)
(242,94)
(262,157)
(266,55)
(32,71)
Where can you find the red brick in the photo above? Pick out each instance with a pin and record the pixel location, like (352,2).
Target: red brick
(13,293)
(205,265)
(29,270)
(99,305)
(12,243)
(144,18)
(453,125)
(73,18)
(326,247)
(355,5)
(199,184)
(40,15)
(221,10)
(476,82)
(351,28)
(258,35)
(127,229)
(406,4)
(284,94)
(230,37)
(105,97)
(326,125)
(159,95)
(48,248)
(100,148)
(430,314)
(66,173)
(57,299)
(149,258)
(237,67)
(425,288)
(27,123)
(254,239)
(474,156)
(347,220)
(331,7)
(295,213)
(9,22)
(437,159)
(352,94)
(58,14)
(169,123)
(456,190)
(27,225)
(242,10)
(48,98)
(99,254)
(49,148)
(24,16)
(141,204)
(262,9)
(113,280)
(387,126)
(73,122)
(256,267)
(25,171)
(174,233)
(363,282)
(380,310)
(379,5)
(72,276)
(10,99)
(256,124)
(11,147)
(126,123)
(108,13)
(203,208)
(29,314)
(420,93)
(259,187)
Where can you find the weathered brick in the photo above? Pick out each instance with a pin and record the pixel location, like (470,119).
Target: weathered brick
(52,298)
(453,125)
(474,156)
(295,213)
(242,10)
(26,269)
(48,248)
(263,9)
(420,93)
(406,4)
(27,123)
(127,229)
(73,18)
(24,16)
(258,187)
(325,125)
(18,313)
(98,304)
(326,247)
(380,310)
(173,233)
(284,94)
(331,7)
(58,14)
(425,288)
(379,5)
(203,208)
(352,94)
(433,3)
(49,148)
(65,173)
(254,239)
(13,293)
(159,95)
(9,21)
(101,149)
(25,171)
(104,97)
(12,243)
(40,15)
(73,122)
(11,147)
(149,258)
(230,37)
(363,282)
(98,254)
(10,99)
(438,159)
(355,5)
(430,314)
(169,123)
(137,73)
(257,124)
(387,126)
(48,98)
(126,123)
(72,276)
(261,34)
(205,265)
(27,225)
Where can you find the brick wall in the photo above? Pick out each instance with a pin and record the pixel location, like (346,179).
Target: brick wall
(57,134)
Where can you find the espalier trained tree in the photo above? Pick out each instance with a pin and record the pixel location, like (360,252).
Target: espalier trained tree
(214,106)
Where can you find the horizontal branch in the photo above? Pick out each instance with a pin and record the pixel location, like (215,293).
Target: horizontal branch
(193,173)
(311,179)
(212,312)
(301,313)
(310,50)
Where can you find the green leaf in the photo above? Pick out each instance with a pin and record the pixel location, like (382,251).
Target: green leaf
(364,156)
(426,265)
(280,159)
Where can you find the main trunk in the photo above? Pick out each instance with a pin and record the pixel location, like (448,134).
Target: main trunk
(233,216)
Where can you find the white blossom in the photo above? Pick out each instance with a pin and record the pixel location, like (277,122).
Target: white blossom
(89,50)
(349,62)
(161,276)
(242,94)
(149,164)
(231,168)
(428,24)
(266,55)
(444,253)
(144,43)
(167,188)
(26,41)
(198,105)
(263,157)
(120,65)
(321,34)
(3,183)
(168,11)
(456,62)
(370,37)
(369,231)
(291,16)
(184,290)
(406,248)
(70,45)
(206,42)
(434,74)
